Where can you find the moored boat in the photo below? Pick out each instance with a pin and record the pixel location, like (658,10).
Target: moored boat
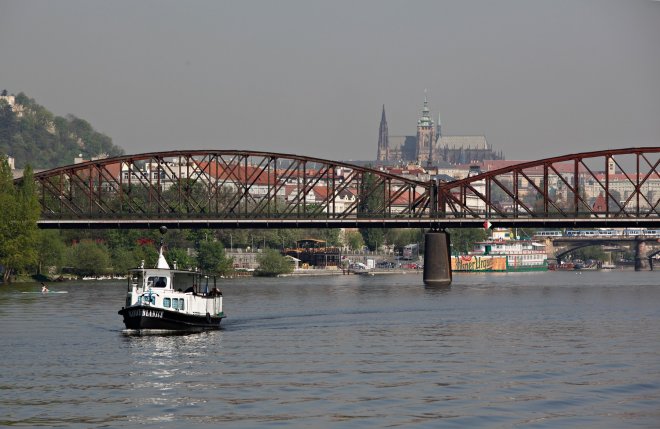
(502,253)
(167,299)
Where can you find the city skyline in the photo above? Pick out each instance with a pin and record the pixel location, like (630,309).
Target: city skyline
(537,79)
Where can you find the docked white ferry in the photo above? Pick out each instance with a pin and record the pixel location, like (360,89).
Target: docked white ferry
(503,253)
(167,299)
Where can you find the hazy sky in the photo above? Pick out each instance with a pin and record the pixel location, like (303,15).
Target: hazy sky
(538,78)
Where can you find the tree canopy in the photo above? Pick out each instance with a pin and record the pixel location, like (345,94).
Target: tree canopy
(463,239)
(19,212)
(272,263)
(211,258)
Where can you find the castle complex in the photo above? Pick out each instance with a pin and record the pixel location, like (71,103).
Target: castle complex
(429,147)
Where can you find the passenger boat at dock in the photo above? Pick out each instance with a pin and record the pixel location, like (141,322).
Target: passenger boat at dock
(502,253)
(167,299)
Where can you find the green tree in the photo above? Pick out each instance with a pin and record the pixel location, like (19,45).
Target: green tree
(19,212)
(404,236)
(463,239)
(272,263)
(354,240)
(51,250)
(211,258)
(147,253)
(8,126)
(124,259)
(90,258)
(181,257)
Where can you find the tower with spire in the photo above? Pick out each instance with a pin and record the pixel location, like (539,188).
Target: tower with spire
(425,136)
(430,146)
(383,139)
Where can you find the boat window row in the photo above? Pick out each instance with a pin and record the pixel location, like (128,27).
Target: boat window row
(175,303)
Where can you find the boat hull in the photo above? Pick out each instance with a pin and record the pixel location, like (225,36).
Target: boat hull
(477,264)
(141,317)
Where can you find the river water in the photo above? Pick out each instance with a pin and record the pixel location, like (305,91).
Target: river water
(537,350)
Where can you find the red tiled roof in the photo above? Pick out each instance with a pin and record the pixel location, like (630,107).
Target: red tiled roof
(600,205)
(621,177)
(566,167)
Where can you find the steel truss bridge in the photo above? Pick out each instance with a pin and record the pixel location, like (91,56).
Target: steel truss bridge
(249,189)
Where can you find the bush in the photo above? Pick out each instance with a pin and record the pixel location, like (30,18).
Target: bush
(272,264)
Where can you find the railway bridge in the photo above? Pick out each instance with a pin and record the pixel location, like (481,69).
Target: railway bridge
(250,189)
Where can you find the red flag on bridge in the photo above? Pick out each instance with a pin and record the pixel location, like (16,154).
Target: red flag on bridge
(487,225)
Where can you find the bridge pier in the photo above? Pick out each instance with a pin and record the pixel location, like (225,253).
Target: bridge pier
(642,260)
(437,258)
(551,251)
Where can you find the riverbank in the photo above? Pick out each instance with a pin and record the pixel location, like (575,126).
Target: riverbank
(339,272)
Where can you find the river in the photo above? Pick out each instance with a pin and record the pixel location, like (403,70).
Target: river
(533,350)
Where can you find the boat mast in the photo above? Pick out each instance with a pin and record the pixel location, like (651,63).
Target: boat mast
(162,262)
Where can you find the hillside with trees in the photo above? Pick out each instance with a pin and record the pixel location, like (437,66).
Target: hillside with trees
(31,134)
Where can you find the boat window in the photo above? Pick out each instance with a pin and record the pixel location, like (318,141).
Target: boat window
(185,280)
(166,302)
(157,281)
(182,305)
(175,303)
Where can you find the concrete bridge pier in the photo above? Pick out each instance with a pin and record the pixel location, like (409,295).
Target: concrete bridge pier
(437,258)
(642,253)
(551,251)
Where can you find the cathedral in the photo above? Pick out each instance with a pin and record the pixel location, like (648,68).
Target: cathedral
(429,147)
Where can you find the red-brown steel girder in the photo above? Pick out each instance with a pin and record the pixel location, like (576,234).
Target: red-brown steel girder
(566,186)
(241,188)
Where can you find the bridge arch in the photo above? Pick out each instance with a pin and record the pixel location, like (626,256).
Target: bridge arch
(231,188)
(575,246)
(601,188)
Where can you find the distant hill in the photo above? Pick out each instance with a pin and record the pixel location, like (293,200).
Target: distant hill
(32,135)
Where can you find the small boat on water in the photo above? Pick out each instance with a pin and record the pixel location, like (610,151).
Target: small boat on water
(167,299)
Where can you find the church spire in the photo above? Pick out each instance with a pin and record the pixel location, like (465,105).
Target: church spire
(383,139)
(426,115)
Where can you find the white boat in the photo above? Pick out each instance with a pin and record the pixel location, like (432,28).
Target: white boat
(167,299)
(502,253)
